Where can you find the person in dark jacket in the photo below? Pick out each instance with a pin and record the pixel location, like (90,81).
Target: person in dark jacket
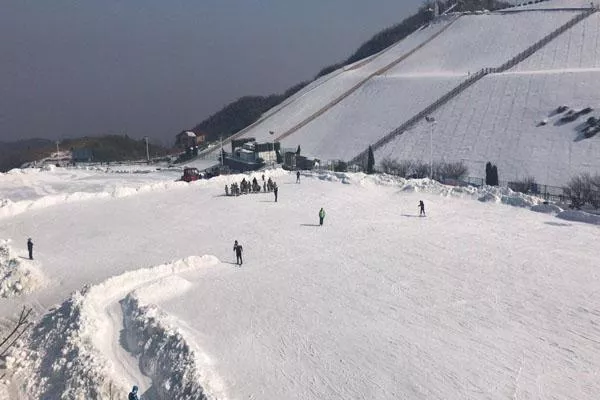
(421,208)
(133,394)
(237,248)
(321,216)
(30,248)
(297,176)
(275,190)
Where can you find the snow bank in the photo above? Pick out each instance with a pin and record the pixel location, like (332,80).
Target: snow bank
(492,194)
(579,216)
(17,277)
(67,355)
(177,370)
(9,208)
(547,209)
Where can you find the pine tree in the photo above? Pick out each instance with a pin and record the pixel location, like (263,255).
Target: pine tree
(488,173)
(298,150)
(495,181)
(370,161)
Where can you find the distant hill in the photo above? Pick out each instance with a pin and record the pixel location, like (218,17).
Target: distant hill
(248,109)
(104,148)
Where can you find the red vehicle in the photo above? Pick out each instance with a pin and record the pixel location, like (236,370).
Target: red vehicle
(190,174)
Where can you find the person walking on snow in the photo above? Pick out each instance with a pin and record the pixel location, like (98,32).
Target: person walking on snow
(321,216)
(421,208)
(30,248)
(238,253)
(133,394)
(297,176)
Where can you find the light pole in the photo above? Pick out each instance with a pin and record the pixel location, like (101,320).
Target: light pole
(432,122)
(221,140)
(147,152)
(274,152)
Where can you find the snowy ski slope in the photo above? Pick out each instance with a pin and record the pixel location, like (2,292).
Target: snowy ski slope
(387,101)
(578,47)
(495,120)
(321,92)
(479,41)
(552,5)
(465,45)
(478,300)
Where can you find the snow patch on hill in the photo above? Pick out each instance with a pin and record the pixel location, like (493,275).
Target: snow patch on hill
(17,277)
(66,351)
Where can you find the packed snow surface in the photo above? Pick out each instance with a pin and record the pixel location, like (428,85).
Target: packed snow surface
(498,120)
(479,299)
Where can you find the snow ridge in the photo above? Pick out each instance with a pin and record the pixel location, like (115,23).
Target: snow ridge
(66,354)
(17,277)
(164,354)
(11,208)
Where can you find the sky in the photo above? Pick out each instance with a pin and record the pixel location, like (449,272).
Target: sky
(154,68)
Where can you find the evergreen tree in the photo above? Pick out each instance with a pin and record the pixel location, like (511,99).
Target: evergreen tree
(298,150)
(495,182)
(370,161)
(488,173)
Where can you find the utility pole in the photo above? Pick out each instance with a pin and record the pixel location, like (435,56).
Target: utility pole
(147,152)
(274,152)
(432,122)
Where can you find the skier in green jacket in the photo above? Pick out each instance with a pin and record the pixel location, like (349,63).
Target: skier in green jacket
(321,216)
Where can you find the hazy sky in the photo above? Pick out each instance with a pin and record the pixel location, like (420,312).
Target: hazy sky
(71,68)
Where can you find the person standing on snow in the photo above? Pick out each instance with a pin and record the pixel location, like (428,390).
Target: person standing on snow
(321,216)
(238,253)
(275,190)
(298,177)
(30,248)
(133,394)
(421,208)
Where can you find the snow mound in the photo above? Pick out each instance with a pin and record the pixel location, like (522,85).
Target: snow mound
(9,208)
(17,277)
(547,208)
(579,216)
(63,356)
(177,368)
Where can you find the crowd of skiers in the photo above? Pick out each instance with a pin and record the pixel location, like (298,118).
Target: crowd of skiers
(247,186)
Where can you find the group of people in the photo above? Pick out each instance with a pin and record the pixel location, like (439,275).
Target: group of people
(247,186)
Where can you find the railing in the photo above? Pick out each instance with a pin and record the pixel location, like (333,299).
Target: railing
(362,157)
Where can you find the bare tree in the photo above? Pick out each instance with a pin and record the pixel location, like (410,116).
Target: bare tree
(19,328)
(525,185)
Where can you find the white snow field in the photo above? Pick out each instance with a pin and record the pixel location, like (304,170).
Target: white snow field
(339,115)
(481,299)
(496,120)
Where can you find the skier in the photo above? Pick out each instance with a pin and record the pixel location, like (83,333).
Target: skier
(275,189)
(298,177)
(30,248)
(238,253)
(133,394)
(421,208)
(321,216)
